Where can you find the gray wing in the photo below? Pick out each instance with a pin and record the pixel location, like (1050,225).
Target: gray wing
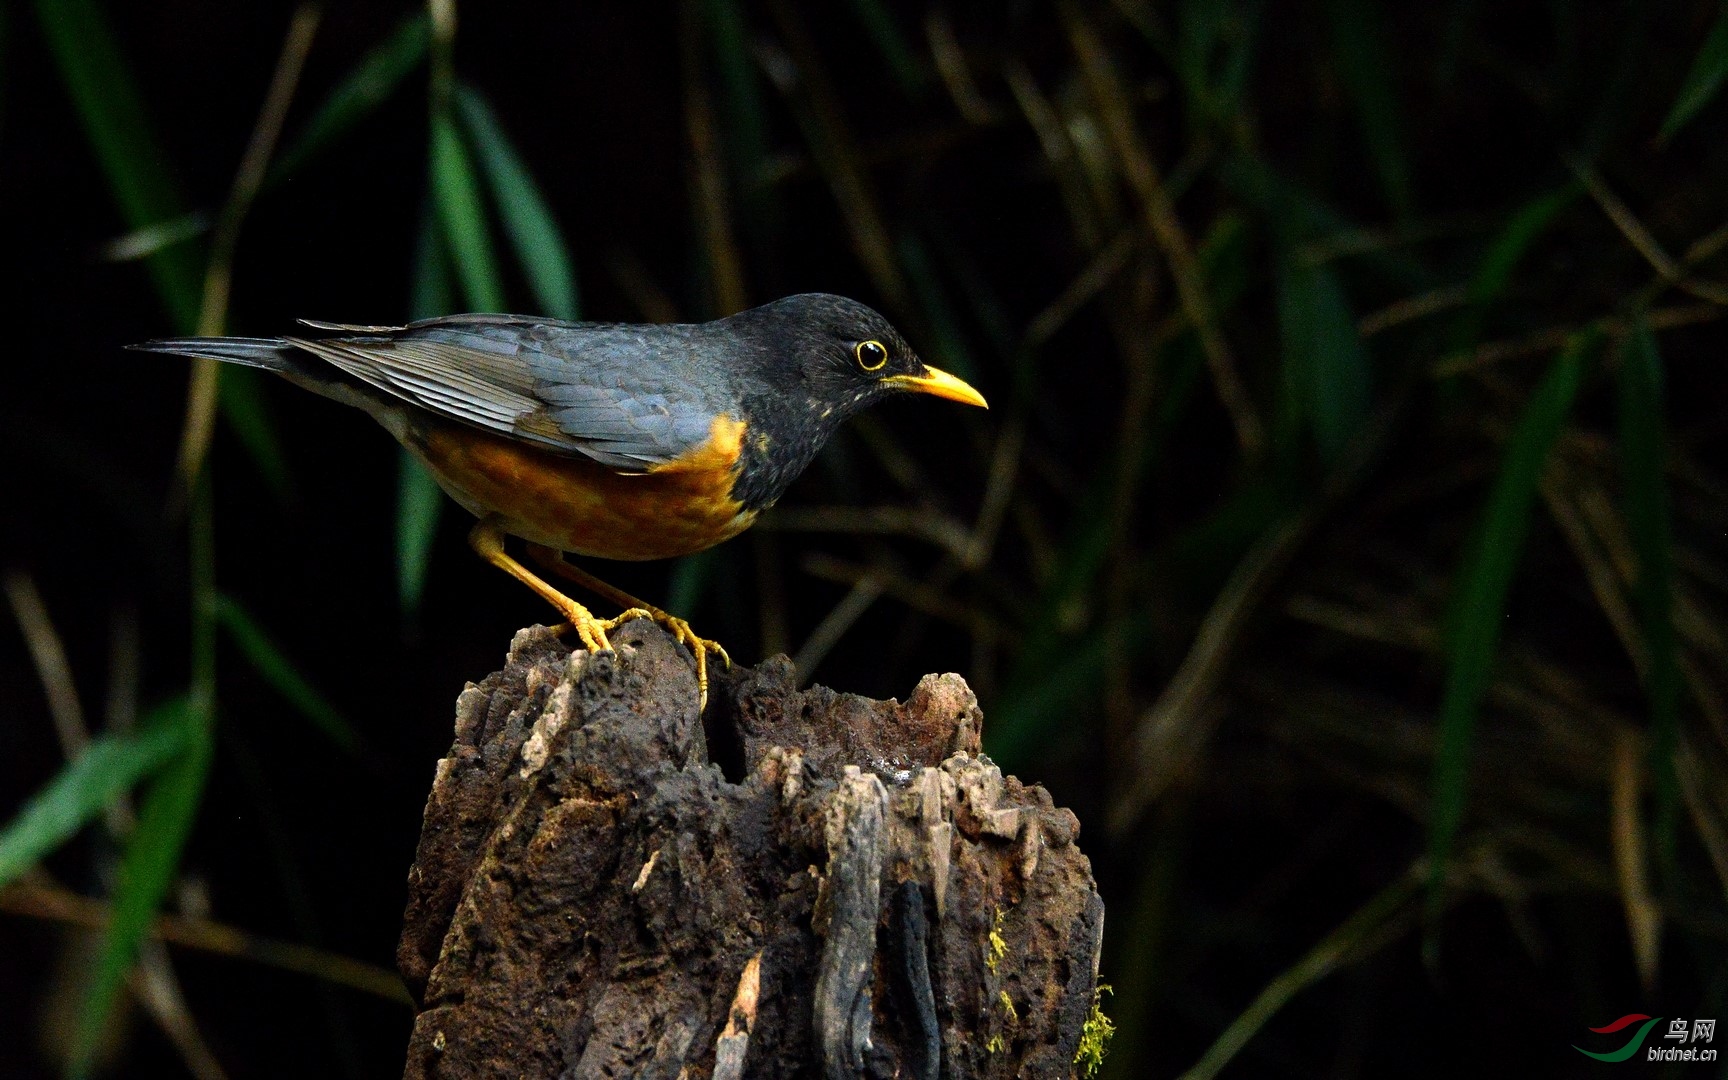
(622,395)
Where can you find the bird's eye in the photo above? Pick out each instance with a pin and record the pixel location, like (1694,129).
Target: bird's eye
(871,355)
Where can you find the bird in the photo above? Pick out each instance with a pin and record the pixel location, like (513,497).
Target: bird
(615,441)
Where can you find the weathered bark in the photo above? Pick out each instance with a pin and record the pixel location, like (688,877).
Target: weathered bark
(866,896)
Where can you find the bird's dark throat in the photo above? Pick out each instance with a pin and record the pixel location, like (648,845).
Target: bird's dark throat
(781,440)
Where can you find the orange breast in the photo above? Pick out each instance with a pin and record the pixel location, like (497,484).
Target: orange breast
(577,505)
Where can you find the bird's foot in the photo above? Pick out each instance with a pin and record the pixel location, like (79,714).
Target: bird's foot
(699,646)
(590,630)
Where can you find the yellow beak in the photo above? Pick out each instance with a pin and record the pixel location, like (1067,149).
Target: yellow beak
(941,384)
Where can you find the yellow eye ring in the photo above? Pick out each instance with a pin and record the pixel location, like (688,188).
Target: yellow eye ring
(871,355)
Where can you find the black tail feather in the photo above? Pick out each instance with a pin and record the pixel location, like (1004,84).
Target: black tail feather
(271,354)
(289,361)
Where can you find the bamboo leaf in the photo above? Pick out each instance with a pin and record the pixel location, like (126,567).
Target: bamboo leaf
(1295,360)
(1460,21)
(689,580)
(1643,448)
(1359,933)
(5,44)
(1703,79)
(1049,687)
(419,502)
(456,194)
(1213,54)
(1298,215)
(1020,722)
(1067,598)
(1327,375)
(369,85)
(1241,44)
(431,293)
(107,768)
(247,412)
(272,663)
(997,321)
(902,62)
(1515,239)
(528,221)
(1048,666)
(147,870)
(744,114)
(419,505)
(950,349)
(113,115)
(1479,601)
(1503,256)
(1367,70)
(112,112)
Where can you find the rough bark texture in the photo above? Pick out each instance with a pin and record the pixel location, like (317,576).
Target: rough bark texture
(842,888)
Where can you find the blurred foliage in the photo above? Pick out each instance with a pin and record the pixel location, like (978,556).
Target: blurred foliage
(1345,545)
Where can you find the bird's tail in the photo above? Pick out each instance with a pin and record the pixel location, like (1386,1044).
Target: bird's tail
(292,363)
(271,354)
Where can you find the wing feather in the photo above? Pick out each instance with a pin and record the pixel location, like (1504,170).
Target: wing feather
(600,391)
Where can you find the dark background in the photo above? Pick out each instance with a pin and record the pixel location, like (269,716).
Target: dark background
(1321,163)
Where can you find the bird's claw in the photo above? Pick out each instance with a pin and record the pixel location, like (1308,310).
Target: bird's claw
(590,630)
(680,630)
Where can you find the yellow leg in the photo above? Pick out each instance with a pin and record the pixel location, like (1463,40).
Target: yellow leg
(488,539)
(699,647)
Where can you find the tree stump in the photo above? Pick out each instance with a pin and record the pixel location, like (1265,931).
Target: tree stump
(816,885)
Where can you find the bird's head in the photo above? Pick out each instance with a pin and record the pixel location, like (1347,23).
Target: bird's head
(842,356)
(810,362)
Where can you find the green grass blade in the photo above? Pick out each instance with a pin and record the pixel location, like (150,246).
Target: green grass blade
(1503,256)
(1033,708)
(5,44)
(1086,545)
(1296,358)
(1479,599)
(522,207)
(108,767)
(1514,240)
(113,115)
(744,114)
(885,33)
(147,872)
(143,243)
(431,293)
(950,351)
(1355,936)
(1021,721)
(272,663)
(1297,214)
(246,411)
(1204,554)
(419,502)
(456,194)
(170,808)
(1367,69)
(1703,80)
(1643,448)
(1199,27)
(1241,48)
(1213,54)
(368,86)
(419,506)
(998,321)
(1327,375)
(1459,22)
(112,112)
(689,580)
